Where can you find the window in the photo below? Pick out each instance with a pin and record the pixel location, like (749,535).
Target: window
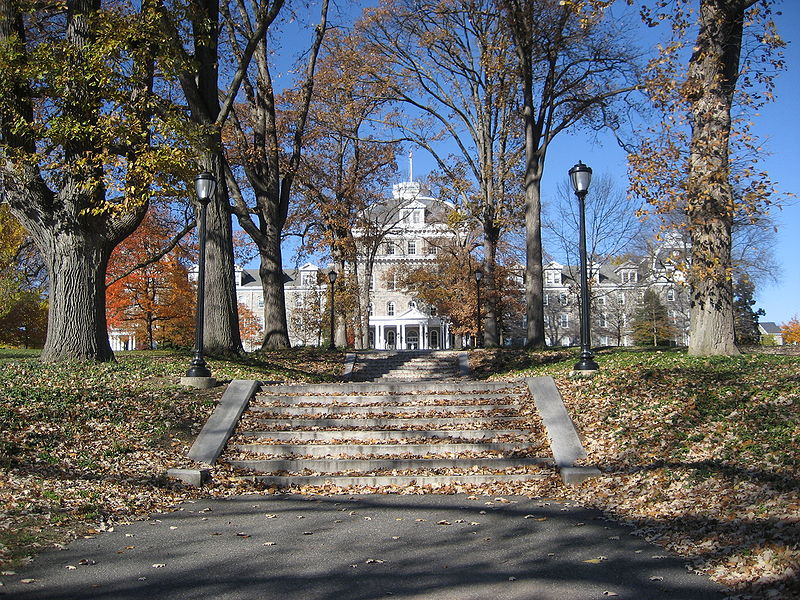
(370,309)
(546,300)
(308,279)
(261,302)
(670,295)
(434,311)
(298,301)
(603,320)
(552,277)
(372,282)
(416,216)
(412,246)
(389,248)
(390,309)
(601,301)
(629,277)
(563,320)
(431,249)
(412,304)
(562,299)
(390,282)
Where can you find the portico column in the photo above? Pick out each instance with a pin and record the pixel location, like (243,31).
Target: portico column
(379,337)
(426,343)
(401,343)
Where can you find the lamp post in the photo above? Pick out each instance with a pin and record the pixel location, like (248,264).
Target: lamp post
(478,277)
(332,275)
(581,176)
(205,183)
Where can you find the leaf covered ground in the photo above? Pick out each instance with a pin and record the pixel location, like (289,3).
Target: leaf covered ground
(699,455)
(84,446)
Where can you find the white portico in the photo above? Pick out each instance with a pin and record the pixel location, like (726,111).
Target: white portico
(412,330)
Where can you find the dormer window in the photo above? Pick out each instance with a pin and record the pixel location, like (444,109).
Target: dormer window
(670,295)
(552,277)
(308,279)
(629,276)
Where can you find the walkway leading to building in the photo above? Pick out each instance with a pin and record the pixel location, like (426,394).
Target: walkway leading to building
(390,433)
(373,547)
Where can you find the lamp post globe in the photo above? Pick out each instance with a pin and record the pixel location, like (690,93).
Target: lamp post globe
(581,177)
(205,185)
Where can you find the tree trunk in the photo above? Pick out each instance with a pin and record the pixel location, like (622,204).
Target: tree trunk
(276,329)
(711,83)
(76,326)
(221,320)
(491,332)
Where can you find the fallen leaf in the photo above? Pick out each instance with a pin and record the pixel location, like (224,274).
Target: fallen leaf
(159,565)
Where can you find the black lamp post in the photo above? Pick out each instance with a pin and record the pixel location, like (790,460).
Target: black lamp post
(478,277)
(205,184)
(581,177)
(332,275)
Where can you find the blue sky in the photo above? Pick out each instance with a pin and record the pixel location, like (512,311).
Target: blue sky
(779,127)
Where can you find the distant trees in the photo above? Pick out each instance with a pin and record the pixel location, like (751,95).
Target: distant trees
(148,294)
(745,324)
(651,324)
(791,331)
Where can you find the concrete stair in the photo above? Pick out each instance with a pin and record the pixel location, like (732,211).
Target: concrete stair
(407,365)
(390,433)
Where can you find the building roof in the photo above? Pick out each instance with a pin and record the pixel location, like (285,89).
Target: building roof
(770,328)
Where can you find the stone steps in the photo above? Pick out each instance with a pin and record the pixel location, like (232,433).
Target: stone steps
(406,365)
(390,433)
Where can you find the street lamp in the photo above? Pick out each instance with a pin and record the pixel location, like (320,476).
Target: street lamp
(581,176)
(478,277)
(332,275)
(205,183)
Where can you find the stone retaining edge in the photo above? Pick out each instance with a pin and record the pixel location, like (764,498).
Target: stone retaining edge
(564,441)
(220,425)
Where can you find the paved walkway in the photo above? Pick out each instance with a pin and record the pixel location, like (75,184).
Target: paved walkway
(363,547)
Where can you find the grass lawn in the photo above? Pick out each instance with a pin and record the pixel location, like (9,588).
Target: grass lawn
(700,455)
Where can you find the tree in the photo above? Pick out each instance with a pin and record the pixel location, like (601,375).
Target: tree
(198,73)
(745,323)
(448,284)
(153,298)
(344,173)
(250,327)
(704,150)
(309,318)
(571,67)
(269,164)
(450,64)
(651,326)
(612,224)
(791,331)
(82,148)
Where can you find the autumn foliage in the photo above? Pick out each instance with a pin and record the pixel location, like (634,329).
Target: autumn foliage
(156,301)
(791,331)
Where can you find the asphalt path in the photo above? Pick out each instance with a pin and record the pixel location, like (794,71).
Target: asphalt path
(359,548)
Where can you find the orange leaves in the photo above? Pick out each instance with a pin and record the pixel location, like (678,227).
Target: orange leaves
(791,331)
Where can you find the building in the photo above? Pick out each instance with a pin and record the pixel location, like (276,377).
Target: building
(410,229)
(771,334)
